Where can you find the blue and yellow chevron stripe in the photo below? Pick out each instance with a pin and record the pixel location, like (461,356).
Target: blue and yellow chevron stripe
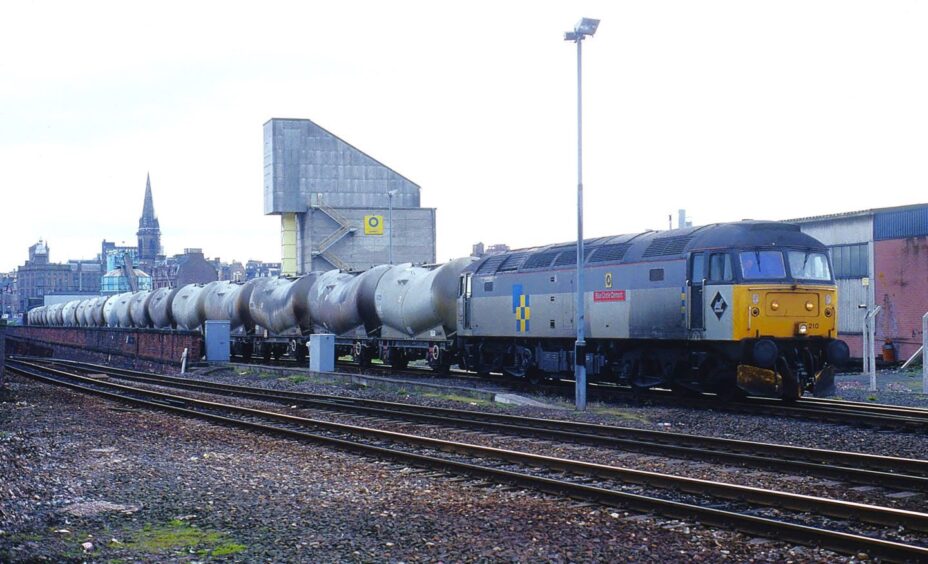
(521,307)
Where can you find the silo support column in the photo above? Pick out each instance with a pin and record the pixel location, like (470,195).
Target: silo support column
(288,266)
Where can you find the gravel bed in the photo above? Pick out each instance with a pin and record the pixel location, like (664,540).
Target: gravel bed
(757,428)
(806,485)
(89,480)
(893,387)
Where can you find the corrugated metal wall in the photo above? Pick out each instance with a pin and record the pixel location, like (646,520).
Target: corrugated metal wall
(851,292)
(901,224)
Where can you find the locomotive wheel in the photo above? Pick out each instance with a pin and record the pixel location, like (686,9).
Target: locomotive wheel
(266,354)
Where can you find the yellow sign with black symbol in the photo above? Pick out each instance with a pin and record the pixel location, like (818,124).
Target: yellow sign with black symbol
(373,225)
(608,280)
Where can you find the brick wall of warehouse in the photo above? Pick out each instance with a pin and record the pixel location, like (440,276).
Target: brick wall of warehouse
(901,287)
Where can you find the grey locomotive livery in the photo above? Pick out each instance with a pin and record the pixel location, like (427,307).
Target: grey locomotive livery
(737,307)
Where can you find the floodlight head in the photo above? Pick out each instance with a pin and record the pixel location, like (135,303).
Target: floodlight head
(586,26)
(570,36)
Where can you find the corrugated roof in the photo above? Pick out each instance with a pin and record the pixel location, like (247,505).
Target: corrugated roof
(860,213)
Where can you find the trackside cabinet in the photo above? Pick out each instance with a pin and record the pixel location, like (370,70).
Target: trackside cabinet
(217,341)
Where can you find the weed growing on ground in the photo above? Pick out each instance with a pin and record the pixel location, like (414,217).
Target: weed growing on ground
(177,534)
(621,414)
(462,399)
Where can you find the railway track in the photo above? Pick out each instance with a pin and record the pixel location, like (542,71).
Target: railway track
(881,416)
(863,469)
(864,527)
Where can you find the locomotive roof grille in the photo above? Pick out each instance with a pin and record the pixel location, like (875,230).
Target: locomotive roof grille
(513,262)
(665,246)
(490,265)
(608,253)
(540,260)
(570,257)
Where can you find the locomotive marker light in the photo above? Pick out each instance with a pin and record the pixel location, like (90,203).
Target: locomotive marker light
(585,27)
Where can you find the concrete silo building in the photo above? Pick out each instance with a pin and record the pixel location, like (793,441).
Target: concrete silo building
(335,203)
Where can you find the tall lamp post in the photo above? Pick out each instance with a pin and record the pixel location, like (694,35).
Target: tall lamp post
(390,194)
(585,27)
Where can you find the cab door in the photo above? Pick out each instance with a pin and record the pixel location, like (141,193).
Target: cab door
(466,294)
(697,283)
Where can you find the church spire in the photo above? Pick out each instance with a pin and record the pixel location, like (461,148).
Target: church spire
(148,209)
(149,232)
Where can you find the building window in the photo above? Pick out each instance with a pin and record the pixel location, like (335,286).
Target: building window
(850,261)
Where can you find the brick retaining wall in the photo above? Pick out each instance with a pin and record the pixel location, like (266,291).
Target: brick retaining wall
(134,347)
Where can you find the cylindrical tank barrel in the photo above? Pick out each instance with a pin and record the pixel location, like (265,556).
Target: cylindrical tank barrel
(215,302)
(121,310)
(270,306)
(184,308)
(138,309)
(36,316)
(69,313)
(413,299)
(333,303)
(240,304)
(83,310)
(109,311)
(299,300)
(159,308)
(96,312)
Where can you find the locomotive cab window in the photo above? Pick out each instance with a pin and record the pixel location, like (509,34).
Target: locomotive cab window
(808,265)
(720,267)
(657,274)
(762,265)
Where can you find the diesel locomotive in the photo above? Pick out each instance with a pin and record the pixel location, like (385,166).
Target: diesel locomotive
(735,308)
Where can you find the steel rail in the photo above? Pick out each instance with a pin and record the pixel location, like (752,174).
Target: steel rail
(798,502)
(780,530)
(854,467)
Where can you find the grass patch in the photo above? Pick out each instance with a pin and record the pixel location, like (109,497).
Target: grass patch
(621,414)
(871,398)
(461,399)
(296,379)
(181,535)
(227,549)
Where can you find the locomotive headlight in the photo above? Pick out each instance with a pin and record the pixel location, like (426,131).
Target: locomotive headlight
(828,299)
(755,311)
(810,306)
(802,329)
(755,298)
(774,305)
(829,312)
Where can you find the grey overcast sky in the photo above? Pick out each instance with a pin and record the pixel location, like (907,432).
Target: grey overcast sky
(730,109)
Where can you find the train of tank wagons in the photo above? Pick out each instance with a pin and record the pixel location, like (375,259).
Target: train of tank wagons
(734,308)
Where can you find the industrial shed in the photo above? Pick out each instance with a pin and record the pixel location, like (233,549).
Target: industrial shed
(880,258)
(335,203)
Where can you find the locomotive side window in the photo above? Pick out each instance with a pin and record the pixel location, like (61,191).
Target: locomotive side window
(657,274)
(720,268)
(758,265)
